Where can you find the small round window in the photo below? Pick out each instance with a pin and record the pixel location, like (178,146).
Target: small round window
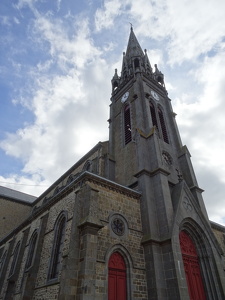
(118,226)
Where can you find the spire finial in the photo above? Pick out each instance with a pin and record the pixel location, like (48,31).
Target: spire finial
(131,26)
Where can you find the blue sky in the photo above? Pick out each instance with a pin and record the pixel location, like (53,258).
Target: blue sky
(57,59)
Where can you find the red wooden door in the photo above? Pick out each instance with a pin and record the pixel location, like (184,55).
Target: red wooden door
(192,268)
(117,280)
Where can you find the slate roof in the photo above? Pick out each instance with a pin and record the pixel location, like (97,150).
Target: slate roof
(16,195)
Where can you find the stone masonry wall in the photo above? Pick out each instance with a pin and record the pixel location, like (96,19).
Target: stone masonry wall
(116,204)
(43,289)
(219,232)
(43,286)
(12,210)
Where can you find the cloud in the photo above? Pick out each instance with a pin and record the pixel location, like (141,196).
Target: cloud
(201,122)
(189,28)
(64,93)
(16,20)
(5,20)
(104,17)
(58,4)
(65,85)
(76,49)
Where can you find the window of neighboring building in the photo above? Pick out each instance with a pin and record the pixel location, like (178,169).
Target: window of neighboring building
(57,247)
(127,125)
(163,126)
(15,258)
(31,251)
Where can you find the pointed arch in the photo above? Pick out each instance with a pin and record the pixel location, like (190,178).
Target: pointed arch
(136,63)
(192,267)
(153,115)
(163,125)
(87,166)
(2,261)
(117,277)
(118,248)
(127,124)
(31,250)
(208,265)
(15,258)
(59,236)
(115,85)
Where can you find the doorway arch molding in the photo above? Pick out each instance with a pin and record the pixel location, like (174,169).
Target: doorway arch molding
(128,262)
(201,240)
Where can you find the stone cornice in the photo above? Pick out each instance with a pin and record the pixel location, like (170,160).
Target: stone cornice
(217,226)
(91,177)
(150,241)
(196,188)
(75,185)
(152,173)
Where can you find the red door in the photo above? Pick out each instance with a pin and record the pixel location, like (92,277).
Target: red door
(192,268)
(117,280)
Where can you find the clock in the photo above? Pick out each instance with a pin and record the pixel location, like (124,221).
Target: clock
(125,96)
(155,95)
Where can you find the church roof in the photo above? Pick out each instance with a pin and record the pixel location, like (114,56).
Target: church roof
(16,195)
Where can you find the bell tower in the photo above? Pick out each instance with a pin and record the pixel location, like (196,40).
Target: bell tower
(144,137)
(147,154)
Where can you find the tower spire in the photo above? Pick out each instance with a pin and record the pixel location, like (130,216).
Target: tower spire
(135,61)
(133,46)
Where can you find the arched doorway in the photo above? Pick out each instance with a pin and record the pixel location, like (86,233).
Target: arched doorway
(117,278)
(192,267)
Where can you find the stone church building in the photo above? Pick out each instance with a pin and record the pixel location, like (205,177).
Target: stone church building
(127,221)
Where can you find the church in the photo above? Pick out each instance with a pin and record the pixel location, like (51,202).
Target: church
(125,222)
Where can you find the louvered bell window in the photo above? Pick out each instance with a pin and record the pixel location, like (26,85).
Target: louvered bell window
(163,126)
(127,125)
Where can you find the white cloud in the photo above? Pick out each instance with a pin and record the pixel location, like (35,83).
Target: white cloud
(16,20)
(202,127)
(77,49)
(24,3)
(63,104)
(68,89)
(5,20)
(58,4)
(104,17)
(191,28)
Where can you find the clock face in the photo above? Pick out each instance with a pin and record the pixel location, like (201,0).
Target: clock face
(155,95)
(125,96)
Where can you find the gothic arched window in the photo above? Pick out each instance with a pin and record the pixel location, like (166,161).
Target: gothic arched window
(31,250)
(163,126)
(115,85)
(2,261)
(136,63)
(117,277)
(15,258)
(153,115)
(59,235)
(127,124)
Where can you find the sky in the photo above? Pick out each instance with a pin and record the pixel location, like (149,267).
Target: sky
(57,59)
